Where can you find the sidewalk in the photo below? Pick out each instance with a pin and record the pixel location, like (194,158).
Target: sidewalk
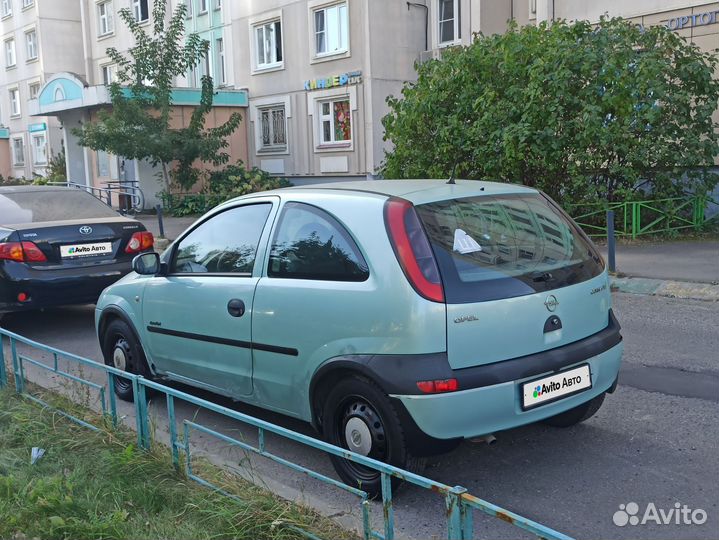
(173,225)
(681,261)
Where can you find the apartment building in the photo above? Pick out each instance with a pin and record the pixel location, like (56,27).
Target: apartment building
(39,38)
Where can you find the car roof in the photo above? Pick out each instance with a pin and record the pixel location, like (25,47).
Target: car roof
(416,191)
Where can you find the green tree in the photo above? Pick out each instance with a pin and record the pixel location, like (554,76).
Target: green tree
(581,111)
(138,125)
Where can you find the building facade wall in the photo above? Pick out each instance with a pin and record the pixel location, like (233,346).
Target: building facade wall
(55,24)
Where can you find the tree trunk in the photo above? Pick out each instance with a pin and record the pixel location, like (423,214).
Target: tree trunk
(166,177)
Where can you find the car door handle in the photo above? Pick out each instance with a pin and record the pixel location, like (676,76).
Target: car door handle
(236,307)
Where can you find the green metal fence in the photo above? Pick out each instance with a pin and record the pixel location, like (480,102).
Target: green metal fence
(459,505)
(637,218)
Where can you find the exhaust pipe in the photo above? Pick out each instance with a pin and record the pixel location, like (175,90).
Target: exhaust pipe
(490,439)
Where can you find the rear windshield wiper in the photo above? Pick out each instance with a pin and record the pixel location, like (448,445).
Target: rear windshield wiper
(541,276)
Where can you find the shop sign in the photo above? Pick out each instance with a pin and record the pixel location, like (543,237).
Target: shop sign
(32,128)
(690,21)
(352,77)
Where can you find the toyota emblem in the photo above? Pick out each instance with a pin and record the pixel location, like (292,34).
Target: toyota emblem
(551,302)
(85,229)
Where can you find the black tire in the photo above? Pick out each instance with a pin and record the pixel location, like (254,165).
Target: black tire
(576,415)
(357,401)
(122,349)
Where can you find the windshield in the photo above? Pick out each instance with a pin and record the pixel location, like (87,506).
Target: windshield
(493,247)
(53,205)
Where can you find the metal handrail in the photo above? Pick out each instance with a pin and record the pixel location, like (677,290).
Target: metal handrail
(104,194)
(459,503)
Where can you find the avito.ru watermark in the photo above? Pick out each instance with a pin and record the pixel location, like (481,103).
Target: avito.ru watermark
(628,514)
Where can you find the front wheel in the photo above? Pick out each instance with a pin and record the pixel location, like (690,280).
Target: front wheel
(360,417)
(576,415)
(122,350)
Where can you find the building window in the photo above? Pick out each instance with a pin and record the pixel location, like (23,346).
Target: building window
(273,129)
(27,3)
(33,90)
(335,121)
(109,74)
(18,152)
(203,6)
(140,10)
(221,67)
(331,35)
(105,23)
(15,102)
(218,4)
(39,149)
(188,12)
(449,21)
(31,44)
(5,8)
(268,43)
(10,58)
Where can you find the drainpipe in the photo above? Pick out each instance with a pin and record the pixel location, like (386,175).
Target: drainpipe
(85,27)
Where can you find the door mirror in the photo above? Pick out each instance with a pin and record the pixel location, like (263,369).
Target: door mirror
(147,264)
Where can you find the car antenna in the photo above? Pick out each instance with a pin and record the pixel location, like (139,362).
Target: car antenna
(451,176)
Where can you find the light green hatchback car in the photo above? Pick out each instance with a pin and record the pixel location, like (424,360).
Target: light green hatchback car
(398,317)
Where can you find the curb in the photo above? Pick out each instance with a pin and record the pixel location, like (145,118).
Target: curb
(670,289)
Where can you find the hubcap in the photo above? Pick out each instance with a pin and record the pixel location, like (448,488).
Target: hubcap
(358,436)
(119,355)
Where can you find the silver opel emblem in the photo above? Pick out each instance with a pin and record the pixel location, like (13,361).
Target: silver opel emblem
(85,229)
(551,302)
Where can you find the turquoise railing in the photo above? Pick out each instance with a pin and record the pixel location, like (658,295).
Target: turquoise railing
(460,505)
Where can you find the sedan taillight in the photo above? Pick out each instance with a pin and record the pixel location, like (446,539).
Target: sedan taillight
(140,241)
(21,252)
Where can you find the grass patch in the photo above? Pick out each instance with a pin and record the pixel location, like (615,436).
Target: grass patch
(99,485)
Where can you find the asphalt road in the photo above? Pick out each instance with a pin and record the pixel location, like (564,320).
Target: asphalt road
(654,440)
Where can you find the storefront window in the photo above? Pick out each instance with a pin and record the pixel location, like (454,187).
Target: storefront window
(335,121)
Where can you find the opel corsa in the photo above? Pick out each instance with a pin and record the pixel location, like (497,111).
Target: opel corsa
(398,317)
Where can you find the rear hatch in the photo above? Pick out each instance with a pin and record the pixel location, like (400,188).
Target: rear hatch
(519,276)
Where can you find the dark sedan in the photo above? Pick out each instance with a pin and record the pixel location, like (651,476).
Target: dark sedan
(61,246)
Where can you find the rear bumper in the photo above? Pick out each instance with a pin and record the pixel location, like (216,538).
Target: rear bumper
(48,288)
(488,409)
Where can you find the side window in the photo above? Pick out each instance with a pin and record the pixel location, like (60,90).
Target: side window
(224,244)
(311,244)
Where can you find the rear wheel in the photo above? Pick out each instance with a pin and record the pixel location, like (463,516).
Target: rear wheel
(122,350)
(360,417)
(577,414)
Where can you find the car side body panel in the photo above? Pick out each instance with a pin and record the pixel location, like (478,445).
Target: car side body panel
(325,319)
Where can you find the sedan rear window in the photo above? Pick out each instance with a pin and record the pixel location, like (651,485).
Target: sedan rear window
(493,247)
(37,206)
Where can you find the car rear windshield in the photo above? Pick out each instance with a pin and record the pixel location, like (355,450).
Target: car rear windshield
(37,206)
(493,247)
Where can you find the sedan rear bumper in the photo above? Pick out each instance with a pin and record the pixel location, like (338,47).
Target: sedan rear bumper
(55,287)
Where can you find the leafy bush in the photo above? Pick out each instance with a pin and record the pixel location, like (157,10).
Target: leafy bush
(584,112)
(222,185)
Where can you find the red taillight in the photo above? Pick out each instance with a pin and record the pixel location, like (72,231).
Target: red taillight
(412,249)
(140,241)
(439,386)
(21,252)
(33,253)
